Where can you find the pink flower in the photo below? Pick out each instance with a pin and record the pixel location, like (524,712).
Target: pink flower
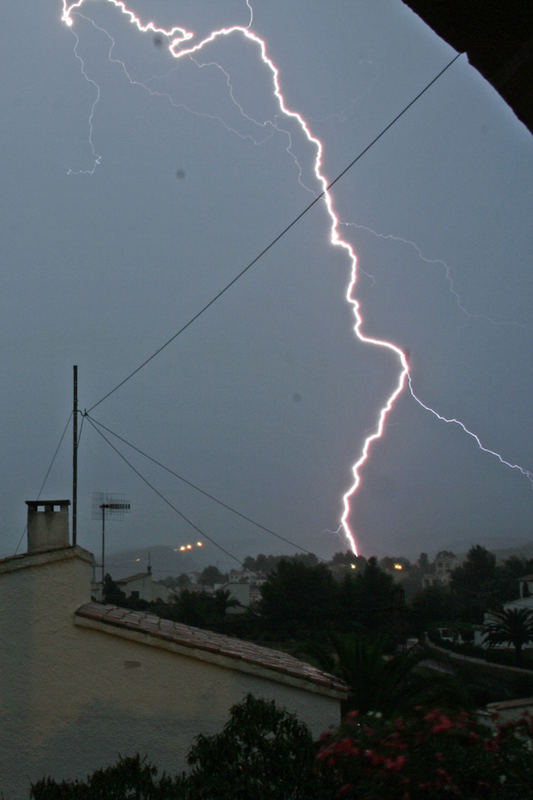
(344,790)
(444,724)
(345,746)
(323,753)
(444,776)
(491,745)
(374,758)
(394,764)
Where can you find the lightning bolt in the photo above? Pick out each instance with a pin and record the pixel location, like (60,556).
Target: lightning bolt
(180,46)
(448,277)
(96,157)
(145,86)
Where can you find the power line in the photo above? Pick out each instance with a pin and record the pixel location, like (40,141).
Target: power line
(162,496)
(200,490)
(274,241)
(81,428)
(47,473)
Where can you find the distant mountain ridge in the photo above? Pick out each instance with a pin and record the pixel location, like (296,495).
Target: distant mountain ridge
(168,560)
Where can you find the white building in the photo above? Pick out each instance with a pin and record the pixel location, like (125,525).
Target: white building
(141,586)
(525,594)
(144,587)
(83,682)
(246,595)
(443,564)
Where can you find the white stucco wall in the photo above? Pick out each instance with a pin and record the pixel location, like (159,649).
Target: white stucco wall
(76,694)
(147,588)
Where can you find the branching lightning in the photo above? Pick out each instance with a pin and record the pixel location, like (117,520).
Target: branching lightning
(145,86)
(96,157)
(448,276)
(181,45)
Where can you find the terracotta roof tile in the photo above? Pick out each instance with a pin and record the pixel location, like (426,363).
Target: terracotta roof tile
(208,641)
(129,578)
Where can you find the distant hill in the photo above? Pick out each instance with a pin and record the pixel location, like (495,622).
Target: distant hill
(170,560)
(502,548)
(525,550)
(165,560)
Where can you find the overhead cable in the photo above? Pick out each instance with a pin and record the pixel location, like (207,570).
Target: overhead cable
(47,473)
(162,496)
(274,241)
(200,490)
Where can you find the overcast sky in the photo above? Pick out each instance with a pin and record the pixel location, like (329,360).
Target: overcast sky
(136,186)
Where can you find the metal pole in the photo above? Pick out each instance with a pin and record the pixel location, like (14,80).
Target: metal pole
(103,542)
(75,459)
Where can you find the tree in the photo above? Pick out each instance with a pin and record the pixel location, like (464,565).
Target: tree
(423,563)
(511,626)
(211,575)
(386,684)
(371,598)
(434,605)
(347,558)
(475,583)
(262,752)
(399,563)
(296,594)
(111,592)
(132,777)
(262,563)
(222,600)
(266,564)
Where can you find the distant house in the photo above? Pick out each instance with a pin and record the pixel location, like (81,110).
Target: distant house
(525,594)
(144,587)
(245,576)
(83,682)
(442,567)
(246,595)
(525,589)
(140,586)
(524,600)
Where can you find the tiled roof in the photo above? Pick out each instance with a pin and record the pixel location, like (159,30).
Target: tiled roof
(209,642)
(136,577)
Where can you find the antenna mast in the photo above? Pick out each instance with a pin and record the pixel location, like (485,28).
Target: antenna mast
(115,506)
(75,458)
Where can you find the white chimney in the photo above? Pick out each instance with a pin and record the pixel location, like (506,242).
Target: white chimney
(48,527)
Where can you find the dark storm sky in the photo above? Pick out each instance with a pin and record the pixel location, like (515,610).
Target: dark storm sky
(266,400)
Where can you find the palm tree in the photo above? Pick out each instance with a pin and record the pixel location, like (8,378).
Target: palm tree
(510,626)
(392,684)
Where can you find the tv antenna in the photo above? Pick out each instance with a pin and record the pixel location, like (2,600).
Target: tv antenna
(112,506)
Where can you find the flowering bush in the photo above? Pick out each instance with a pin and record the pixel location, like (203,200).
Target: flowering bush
(428,754)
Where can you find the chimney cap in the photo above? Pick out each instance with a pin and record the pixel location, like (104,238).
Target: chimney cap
(47,525)
(35,503)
